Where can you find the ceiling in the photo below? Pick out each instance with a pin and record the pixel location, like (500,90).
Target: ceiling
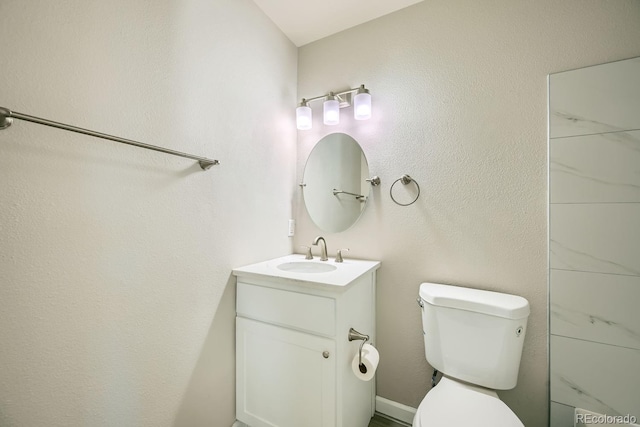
(305,21)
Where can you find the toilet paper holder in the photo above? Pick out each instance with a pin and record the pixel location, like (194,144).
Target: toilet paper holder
(355,335)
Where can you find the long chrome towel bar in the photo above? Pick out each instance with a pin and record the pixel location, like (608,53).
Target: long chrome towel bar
(7,116)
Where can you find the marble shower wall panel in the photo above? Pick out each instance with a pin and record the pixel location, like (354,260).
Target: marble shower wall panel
(561,415)
(594,100)
(594,240)
(603,378)
(596,307)
(606,170)
(596,237)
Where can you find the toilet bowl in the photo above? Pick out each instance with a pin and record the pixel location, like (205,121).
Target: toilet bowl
(457,404)
(474,338)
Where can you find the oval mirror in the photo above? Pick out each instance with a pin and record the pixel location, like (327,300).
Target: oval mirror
(334,184)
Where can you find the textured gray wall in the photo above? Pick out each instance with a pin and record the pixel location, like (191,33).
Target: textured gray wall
(460,103)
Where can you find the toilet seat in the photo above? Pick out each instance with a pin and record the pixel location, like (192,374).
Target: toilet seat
(454,403)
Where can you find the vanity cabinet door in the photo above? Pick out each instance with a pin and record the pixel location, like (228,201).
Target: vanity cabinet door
(284,378)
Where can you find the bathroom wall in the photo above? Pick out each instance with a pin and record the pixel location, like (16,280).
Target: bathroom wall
(594,240)
(459,103)
(116,302)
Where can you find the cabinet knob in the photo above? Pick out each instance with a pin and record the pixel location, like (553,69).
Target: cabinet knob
(325,354)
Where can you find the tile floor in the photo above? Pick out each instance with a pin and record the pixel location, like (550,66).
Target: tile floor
(381,421)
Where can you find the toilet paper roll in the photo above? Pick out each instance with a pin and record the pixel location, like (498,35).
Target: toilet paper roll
(370,359)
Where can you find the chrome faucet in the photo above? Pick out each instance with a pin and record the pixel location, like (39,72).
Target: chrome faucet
(323,247)
(339,255)
(307,250)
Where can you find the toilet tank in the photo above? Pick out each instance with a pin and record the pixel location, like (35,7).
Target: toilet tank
(474,335)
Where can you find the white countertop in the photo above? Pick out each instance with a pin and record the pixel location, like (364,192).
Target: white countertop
(344,274)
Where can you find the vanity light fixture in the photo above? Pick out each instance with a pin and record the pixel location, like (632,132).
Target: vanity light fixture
(303,116)
(331,110)
(360,97)
(362,104)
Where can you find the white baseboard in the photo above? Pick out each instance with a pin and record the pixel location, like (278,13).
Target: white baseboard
(395,410)
(239,424)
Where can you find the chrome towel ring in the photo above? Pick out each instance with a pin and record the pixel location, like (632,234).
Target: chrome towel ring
(405,179)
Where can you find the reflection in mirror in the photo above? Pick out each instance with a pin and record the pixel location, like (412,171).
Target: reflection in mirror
(335,190)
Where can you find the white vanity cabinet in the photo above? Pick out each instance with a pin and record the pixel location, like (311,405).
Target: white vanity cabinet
(293,356)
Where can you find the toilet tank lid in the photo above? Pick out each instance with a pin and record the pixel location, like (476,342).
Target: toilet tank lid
(477,300)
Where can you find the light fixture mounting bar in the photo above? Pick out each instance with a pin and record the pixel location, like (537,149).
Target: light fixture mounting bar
(345,101)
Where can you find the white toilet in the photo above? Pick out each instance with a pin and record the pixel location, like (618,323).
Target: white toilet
(474,338)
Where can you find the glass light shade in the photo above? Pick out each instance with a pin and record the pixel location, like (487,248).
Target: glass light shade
(362,106)
(331,111)
(303,117)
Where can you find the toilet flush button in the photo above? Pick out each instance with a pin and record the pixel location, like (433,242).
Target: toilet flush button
(519,331)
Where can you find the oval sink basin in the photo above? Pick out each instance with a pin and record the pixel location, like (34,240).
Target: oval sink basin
(306,267)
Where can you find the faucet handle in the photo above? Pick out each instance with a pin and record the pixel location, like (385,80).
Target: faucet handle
(308,255)
(339,254)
